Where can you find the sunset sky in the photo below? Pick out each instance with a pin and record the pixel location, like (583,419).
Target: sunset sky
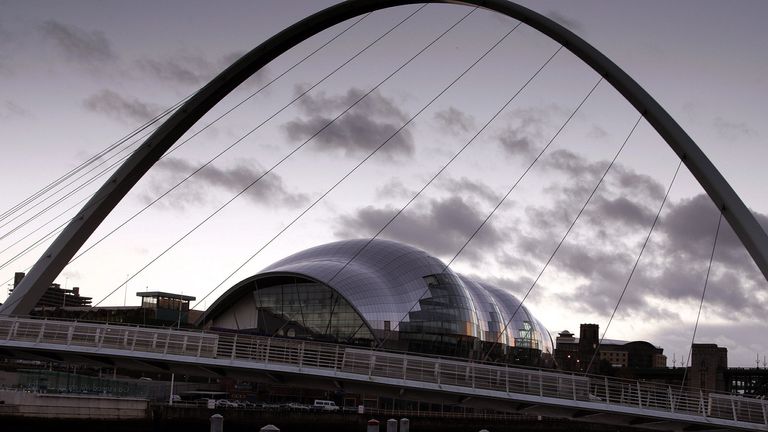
(77,76)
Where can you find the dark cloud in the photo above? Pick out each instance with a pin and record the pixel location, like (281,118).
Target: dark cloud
(601,252)
(673,267)
(452,121)
(566,21)
(732,130)
(270,189)
(526,128)
(79,45)
(359,131)
(440,227)
(471,189)
(188,68)
(394,188)
(572,164)
(516,144)
(114,105)
(690,225)
(620,210)
(635,184)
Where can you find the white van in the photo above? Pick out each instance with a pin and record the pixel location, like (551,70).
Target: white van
(324,405)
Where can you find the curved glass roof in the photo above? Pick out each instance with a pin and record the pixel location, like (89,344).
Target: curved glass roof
(389,282)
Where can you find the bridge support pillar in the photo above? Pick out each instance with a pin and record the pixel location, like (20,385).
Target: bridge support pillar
(391,425)
(217,423)
(373,426)
(405,425)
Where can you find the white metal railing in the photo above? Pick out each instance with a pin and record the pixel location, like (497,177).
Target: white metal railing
(606,391)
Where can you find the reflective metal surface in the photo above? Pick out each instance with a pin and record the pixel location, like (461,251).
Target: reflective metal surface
(401,293)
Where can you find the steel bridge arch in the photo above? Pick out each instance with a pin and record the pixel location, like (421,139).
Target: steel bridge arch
(56,257)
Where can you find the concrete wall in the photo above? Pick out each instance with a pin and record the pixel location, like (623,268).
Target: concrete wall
(26,404)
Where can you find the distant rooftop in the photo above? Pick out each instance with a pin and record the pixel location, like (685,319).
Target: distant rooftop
(166,295)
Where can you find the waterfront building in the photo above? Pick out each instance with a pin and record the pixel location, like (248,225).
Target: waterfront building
(576,354)
(56,296)
(383,293)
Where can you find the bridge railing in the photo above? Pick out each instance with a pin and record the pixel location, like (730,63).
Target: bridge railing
(334,358)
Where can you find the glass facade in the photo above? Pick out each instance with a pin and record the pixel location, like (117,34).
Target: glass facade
(306,309)
(386,292)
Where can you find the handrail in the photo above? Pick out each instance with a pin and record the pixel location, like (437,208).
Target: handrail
(453,374)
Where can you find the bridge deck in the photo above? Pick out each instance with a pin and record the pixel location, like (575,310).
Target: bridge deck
(590,398)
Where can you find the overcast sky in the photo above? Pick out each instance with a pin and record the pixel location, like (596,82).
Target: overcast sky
(76,76)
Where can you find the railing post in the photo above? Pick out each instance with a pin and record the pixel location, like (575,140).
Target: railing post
(765,414)
(639,396)
(405,368)
(703,403)
(373,362)
(733,408)
(437,372)
(200,345)
(70,333)
(12,330)
(573,384)
(301,354)
(607,393)
(135,336)
(541,385)
(234,347)
(472,368)
(337,366)
(167,341)
(671,399)
(266,353)
(42,331)
(99,338)
(506,377)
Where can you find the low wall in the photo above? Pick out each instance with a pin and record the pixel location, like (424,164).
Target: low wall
(58,406)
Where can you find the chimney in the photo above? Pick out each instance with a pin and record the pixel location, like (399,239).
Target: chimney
(17,277)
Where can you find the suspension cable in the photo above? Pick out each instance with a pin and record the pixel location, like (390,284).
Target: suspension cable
(178,104)
(90,160)
(69,194)
(485,54)
(565,236)
(312,53)
(634,267)
(302,145)
(242,138)
(701,302)
(230,110)
(444,167)
(493,211)
(328,191)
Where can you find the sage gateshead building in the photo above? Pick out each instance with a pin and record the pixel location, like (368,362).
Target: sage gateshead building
(382,293)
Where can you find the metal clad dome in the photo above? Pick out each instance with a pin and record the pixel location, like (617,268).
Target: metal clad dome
(392,287)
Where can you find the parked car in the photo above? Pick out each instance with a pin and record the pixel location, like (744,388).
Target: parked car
(324,405)
(223,403)
(295,406)
(271,406)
